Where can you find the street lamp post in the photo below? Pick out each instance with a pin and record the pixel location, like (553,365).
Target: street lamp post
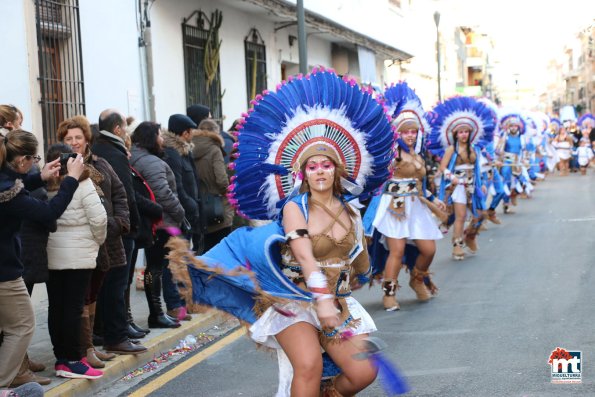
(302,44)
(437,22)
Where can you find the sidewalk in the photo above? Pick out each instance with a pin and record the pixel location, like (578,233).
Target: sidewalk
(159,340)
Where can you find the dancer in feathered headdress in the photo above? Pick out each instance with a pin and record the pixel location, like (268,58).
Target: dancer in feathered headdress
(511,144)
(302,150)
(401,212)
(462,126)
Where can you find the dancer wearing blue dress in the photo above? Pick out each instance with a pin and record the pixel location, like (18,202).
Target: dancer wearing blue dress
(304,151)
(460,128)
(511,146)
(401,213)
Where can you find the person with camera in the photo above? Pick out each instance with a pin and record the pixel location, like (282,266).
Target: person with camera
(72,254)
(18,154)
(147,150)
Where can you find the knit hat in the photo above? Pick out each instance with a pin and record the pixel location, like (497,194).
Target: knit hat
(198,113)
(178,123)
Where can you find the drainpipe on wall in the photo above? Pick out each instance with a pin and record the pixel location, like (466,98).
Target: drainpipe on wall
(145,44)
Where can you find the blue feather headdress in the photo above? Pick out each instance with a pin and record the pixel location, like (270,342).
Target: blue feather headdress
(555,125)
(584,120)
(404,106)
(317,108)
(509,117)
(456,112)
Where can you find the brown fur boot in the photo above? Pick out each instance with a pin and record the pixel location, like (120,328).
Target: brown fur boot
(458,254)
(417,284)
(389,300)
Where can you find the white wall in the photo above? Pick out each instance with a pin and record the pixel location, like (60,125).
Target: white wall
(14,68)
(170,96)
(111,62)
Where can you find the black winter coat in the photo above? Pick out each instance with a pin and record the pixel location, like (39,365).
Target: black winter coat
(16,205)
(34,242)
(116,155)
(114,199)
(150,211)
(178,155)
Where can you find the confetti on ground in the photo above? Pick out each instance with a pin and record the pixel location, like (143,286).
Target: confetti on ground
(185,346)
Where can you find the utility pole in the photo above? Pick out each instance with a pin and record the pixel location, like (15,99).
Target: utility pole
(437,22)
(302,45)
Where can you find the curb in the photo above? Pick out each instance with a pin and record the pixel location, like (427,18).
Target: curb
(124,364)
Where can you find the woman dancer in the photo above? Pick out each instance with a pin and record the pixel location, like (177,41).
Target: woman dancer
(461,126)
(563,143)
(402,211)
(301,268)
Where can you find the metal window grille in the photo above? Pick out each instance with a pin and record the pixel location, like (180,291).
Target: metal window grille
(256,64)
(195,38)
(60,63)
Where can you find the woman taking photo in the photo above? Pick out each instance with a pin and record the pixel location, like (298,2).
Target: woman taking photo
(18,153)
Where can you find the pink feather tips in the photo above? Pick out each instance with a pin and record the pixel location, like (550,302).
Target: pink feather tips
(253,102)
(235,155)
(331,70)
(322,68)
(290,78)
(346,334)
(233,178)
(173,231)
(231,166)
(283,312)
(265,92)
(235,145)
(245,116)
(258,97)
(315,70)
(230,188)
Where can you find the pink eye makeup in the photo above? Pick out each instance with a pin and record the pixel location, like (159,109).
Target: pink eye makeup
(326,166)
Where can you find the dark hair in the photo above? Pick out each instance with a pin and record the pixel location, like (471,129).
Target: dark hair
(234,125)
(54,152)
(110,122)
(145,136)
(17,143)
(456,144)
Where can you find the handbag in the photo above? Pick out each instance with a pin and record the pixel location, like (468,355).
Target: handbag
(211,209)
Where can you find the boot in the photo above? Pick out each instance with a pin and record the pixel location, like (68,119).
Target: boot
(492,217)
(389,300)
(471,234)
(129,315)
(513,200)
(34,365)
(25,375)
(179,313)
(157,319)
(458,254)
(418,285)
(98,353)
(508,210)
(93,360)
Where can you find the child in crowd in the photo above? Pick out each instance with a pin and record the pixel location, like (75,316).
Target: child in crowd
(585,154)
